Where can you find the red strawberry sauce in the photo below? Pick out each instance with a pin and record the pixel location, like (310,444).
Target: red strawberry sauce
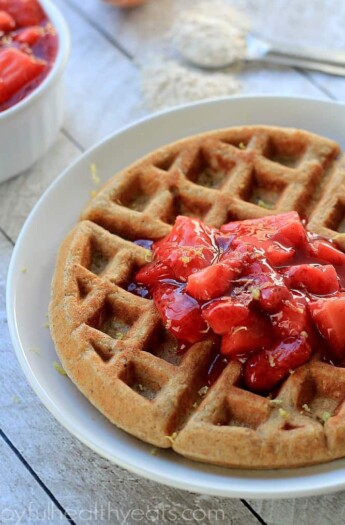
(28,48)
(266,291)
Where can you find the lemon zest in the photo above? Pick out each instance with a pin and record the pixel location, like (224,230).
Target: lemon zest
(283,413)
(325,417)
(94,174)
(59,369)
(35,350)
(172,437)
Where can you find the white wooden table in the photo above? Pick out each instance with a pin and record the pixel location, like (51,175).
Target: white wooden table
(46,475)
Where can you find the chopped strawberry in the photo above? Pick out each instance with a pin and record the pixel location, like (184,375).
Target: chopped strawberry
(326,252)
(215,280)
(184,260)
(278,255)
(291,233)
(16,70)
(7,22)
(211,282)
(265,370)
(152,273)
(320,280)
(29,35)
(291,319)
(180,312)
(285,228)
(239,283)
(224,315)
(272,296)
(266,285)
(276,235)
(25,12)
(189,247)
(253,334)
(329,317)
(190,232)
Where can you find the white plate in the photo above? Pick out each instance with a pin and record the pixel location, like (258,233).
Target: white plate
(28,295)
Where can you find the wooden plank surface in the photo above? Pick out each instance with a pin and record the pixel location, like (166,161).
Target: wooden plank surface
(40,461)
(86,485)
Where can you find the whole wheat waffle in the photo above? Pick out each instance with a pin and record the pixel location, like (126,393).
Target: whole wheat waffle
(113,344)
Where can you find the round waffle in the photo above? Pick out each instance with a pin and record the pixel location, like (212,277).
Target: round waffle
(113,344)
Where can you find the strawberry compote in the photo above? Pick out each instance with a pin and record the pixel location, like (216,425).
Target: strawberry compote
(270,291)
(28,48)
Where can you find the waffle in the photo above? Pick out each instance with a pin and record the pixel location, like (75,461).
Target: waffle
(113,344)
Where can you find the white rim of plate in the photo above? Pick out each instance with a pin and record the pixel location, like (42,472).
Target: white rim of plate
(255,489)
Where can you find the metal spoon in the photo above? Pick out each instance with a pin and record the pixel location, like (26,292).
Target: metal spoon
(256,49)
(326,61)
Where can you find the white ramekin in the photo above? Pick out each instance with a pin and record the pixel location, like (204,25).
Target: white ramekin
(29,128)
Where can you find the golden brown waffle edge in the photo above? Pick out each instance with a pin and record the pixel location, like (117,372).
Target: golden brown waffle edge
(113,344)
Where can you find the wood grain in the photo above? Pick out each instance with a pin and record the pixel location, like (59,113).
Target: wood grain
(103,94)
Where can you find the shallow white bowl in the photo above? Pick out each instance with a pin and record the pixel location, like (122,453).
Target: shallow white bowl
(29,128)
(28,295)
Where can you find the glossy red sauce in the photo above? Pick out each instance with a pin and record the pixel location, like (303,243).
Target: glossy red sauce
(169,285)
(28,48)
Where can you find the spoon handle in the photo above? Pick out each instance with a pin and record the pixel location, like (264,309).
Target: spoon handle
(305,63)
(335,57)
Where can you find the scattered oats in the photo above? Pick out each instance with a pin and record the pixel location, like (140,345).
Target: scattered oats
(304,334)
(94,174)
(16,400)
(203,391)
(35,350)
(119,335)
(148,257)
(291,371)
(185,259)
(166,83)
(211,34)
(172,437)
(242,145)
(306,407)
(168,324)
(59,369)
(194,405)
(283,413)
(140,387)
(325,417)
(276,402)
(154,451)
(93,193)
(24,269)
(271,360)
